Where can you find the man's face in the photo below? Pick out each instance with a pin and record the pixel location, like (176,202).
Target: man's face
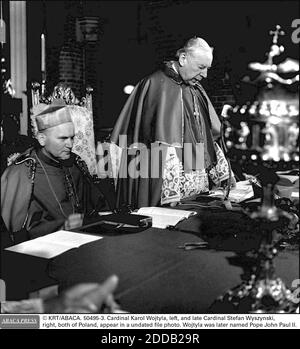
(58,140)
(194,65)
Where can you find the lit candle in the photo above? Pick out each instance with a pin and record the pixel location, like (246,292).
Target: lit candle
(43,55)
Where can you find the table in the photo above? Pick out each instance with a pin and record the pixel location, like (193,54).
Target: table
(158,277)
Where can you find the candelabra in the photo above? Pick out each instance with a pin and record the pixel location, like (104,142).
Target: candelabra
(265,132)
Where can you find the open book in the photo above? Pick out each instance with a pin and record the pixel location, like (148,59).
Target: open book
(52,245)
(163,217)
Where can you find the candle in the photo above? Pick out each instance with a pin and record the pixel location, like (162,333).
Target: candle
(43,55)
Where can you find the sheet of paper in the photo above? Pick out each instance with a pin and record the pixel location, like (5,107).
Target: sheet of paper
(163,217)
(241,192)
(41,249)
(69,238)
(165,211)
(54,244)
(160,221)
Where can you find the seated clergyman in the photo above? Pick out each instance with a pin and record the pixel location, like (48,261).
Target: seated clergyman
(48,187)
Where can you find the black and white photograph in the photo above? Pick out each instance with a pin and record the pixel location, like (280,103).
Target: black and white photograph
(150,166)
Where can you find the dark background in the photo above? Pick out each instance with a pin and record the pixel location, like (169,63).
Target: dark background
(135,36)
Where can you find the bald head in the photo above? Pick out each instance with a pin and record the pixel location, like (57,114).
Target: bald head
(194,59)
(195,44)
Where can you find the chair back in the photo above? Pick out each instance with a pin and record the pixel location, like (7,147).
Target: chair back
(82,116)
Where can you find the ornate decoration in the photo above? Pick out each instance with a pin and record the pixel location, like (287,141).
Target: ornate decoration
(63,92)
(272,142)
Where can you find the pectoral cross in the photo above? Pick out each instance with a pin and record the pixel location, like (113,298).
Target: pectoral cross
(276,33)
(196,108)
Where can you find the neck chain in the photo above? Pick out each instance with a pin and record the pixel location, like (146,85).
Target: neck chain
(51,188)
(71,191)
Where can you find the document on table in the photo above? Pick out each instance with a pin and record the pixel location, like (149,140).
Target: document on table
(54,244)
(163,217)
(241,192)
